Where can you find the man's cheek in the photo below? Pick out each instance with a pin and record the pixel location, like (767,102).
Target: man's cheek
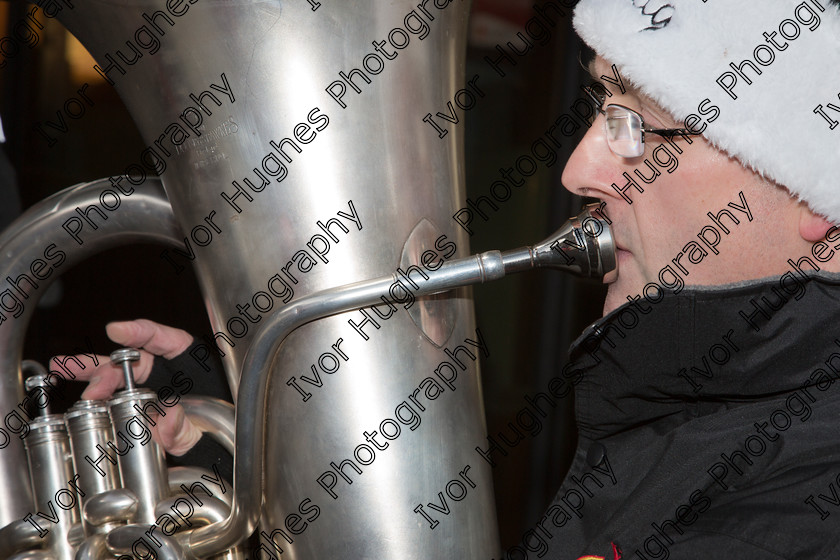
(665,159)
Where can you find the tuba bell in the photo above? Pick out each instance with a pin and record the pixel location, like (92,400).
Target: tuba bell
(301,184)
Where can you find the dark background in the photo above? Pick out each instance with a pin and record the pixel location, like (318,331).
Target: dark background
(528,320)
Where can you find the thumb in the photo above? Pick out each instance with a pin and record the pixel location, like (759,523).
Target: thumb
(175,433)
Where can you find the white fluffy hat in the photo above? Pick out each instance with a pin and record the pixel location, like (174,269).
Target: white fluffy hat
(682,52)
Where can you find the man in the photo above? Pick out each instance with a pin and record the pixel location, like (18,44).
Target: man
(707,414)
(706,396)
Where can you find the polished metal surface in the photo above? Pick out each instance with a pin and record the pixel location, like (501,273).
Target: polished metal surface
(90,430)
(51,469)
(110,506)
(375,161)
(120,541)
(144,217)
(583,246)
(19,536)
(33,555)
(141,459)
(251,458)
(123,357)
(188,475)
(214,416)
(364,192)
(585,255)
(93,549)
(211,510)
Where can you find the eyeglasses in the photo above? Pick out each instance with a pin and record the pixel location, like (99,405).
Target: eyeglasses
(625,128)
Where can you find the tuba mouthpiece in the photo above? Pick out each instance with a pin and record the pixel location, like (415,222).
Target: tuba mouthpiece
(583,246)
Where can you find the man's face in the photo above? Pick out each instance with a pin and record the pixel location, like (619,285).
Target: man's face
(658,225)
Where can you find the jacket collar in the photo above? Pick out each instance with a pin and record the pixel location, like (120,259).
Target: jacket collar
(706,348)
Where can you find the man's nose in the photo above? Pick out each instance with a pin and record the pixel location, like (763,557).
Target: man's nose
(591,164)
(593,168)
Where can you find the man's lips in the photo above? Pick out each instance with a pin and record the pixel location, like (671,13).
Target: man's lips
(620,247)
(622,256)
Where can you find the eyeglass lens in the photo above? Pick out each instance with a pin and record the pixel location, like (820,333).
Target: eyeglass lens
(624,132)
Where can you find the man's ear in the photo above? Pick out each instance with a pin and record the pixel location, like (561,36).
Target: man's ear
(812,227)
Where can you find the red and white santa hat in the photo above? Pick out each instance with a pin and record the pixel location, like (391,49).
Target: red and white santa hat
(771,67)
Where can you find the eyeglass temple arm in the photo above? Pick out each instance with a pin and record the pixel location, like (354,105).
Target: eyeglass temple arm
(670,131)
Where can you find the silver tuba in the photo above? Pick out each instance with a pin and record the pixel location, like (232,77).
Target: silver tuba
(302,184)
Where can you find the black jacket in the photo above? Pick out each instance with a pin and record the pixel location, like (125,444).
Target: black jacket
(701,437)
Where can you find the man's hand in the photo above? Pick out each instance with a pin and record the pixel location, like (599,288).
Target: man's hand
(174,431)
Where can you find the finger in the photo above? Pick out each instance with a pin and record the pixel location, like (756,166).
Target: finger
(153,337)
(103,385)
(175,433)
(105,370)
(108,377)
(79,367)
